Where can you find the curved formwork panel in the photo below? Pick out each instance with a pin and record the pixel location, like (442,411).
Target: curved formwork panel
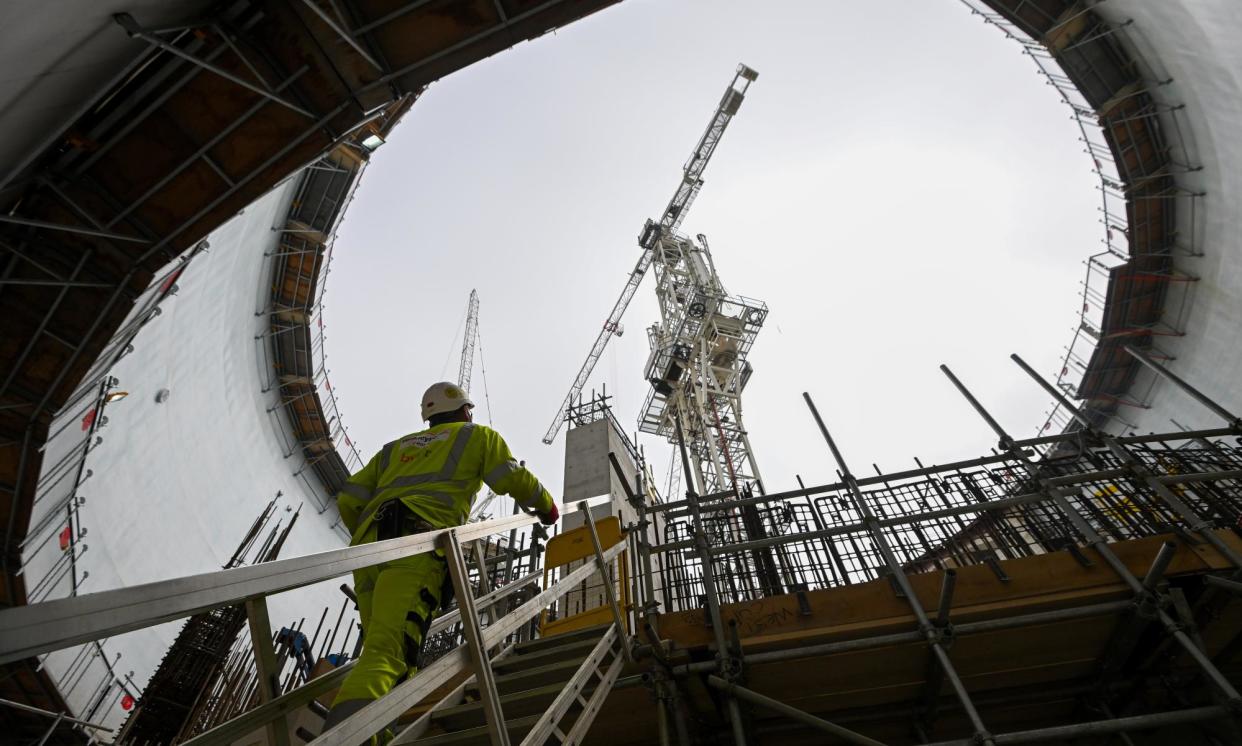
(1194,49)
(1151,85)
(181,466)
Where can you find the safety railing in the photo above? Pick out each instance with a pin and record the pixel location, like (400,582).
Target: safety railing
(32,630)
(982,511)
(978,511)
(306,415)
(1008,504)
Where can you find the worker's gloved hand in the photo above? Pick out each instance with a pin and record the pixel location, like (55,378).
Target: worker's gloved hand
(550,517)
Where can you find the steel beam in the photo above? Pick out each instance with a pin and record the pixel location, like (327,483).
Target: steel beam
(1232,586)
(61,717)
(793,713)
(16,220)
(1061,733)
(127,22)
(57,284)
(1233,420)
(34,338)
(202,151)
(342,34)
(407,69)
(900,638)
(393,15)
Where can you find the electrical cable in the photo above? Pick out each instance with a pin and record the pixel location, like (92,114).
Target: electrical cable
(487,398)
(477,513)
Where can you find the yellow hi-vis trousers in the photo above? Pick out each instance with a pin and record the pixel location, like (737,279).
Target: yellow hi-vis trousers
(395,600)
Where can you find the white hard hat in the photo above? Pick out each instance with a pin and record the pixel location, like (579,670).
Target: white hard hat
(444,397)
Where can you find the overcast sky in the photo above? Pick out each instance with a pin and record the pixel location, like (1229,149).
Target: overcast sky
(900,187)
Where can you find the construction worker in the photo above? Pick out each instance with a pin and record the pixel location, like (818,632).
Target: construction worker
(421,482)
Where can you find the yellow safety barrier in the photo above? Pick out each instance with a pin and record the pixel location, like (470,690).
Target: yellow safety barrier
(572,546)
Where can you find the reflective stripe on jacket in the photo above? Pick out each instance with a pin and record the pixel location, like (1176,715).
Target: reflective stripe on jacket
(437,472)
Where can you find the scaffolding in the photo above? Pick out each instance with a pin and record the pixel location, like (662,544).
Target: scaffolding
(306,415)
(883,532)
(1138,289)
(971,574)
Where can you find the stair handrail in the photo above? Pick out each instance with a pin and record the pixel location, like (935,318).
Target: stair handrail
(251,720)
(376,716)
(51,625)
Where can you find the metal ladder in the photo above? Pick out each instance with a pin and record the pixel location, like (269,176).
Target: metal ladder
(550,690)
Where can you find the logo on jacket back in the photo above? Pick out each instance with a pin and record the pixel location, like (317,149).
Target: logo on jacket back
(422,440)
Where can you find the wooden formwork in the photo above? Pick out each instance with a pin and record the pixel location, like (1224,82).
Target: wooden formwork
(1026,676)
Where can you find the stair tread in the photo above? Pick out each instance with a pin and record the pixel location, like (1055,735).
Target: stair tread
(518,704)
(567,664)
(533,678)
(548,654)
(517,727)
(531,645)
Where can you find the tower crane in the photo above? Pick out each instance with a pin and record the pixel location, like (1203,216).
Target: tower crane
(670,220)
(469,339)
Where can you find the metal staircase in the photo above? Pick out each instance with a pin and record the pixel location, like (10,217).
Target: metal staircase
(549,690)
(503,689)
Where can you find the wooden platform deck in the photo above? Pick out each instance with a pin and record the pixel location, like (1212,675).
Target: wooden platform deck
(1028,676)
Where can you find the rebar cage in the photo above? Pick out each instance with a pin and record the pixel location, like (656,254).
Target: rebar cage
(979,512)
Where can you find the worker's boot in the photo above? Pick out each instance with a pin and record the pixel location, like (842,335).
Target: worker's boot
(341,711)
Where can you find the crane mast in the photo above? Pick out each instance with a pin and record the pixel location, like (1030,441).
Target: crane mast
(670,220)
(468,341)
(698,365)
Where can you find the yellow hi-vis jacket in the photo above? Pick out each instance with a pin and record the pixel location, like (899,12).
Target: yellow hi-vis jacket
(436,473)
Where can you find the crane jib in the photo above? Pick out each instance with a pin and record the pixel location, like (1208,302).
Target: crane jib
(670,219)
